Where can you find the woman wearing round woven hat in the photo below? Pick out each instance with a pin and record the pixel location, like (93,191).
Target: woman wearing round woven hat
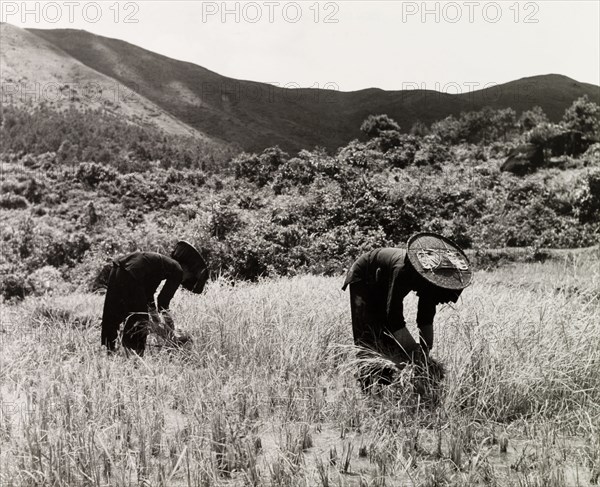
(132,283)
(432,266)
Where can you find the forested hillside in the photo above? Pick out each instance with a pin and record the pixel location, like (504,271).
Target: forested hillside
(81,187)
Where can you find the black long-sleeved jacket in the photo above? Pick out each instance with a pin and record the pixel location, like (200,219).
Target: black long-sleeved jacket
(390,279)
(149,269)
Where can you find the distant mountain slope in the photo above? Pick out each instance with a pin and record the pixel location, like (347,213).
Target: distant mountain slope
(553,92)
(33,70)
(256,115)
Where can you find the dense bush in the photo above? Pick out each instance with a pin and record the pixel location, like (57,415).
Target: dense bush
(295,172)
(404,153)
(374,125)
(67,250)
(388,139)
(92,173)
(272,213)
(449,130)
(46,280)
(141,194)
(259,168)
(584,116)
(13,201)
(483,126)
(591,157)
(14,284)
(542,132)
(359,155)
(530,119)
(431,152)
(588,201)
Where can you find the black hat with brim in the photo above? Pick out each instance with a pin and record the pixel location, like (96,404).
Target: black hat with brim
(187,256)
(439,261)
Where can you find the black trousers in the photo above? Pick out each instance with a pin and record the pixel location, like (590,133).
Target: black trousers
(126,302)
(369,320)
(369,331)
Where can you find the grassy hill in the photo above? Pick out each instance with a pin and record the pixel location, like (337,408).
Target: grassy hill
(553,92)
(257,115)
(34,72)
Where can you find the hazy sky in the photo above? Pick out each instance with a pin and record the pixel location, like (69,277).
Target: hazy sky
(449,46)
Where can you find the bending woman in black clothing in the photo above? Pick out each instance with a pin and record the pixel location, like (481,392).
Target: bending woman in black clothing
(434,267)
(133,281)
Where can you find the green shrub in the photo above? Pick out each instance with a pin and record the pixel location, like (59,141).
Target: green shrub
(591,157)
(530,119)
(449,130)
(192,177)
(293,173)
(359,155)
(93,173)
(483,126)
(34,191)
(542,133)
(403,154)
(432,152)
(389,139)
(137,192)
(259,169)
(67,251)
(13,202)
(374,125)
(11,186)
(223,220)
(13,284)
(583,115)
(588,200)
(47,279)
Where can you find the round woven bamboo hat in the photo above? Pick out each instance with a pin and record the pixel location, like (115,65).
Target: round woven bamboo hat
(187,255)
(439,261)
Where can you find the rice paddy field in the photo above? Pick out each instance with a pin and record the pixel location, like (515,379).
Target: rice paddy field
(266,394)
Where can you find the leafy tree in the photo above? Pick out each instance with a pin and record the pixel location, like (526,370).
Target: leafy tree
(532,118)
(503,124)
(259,169)
(541,133)
(488,124)
(477,124)
(449,130)
(375,124)
(419,129)
(431,152)
(588,202)
(404,154)
(388,139)
(583,115)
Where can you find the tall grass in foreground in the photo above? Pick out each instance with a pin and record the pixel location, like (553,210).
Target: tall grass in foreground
(266,394)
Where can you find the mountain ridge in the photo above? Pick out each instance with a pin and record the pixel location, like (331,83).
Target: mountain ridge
(34,70)
(256,115)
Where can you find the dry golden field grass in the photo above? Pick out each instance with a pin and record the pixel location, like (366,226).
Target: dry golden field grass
(266,395)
